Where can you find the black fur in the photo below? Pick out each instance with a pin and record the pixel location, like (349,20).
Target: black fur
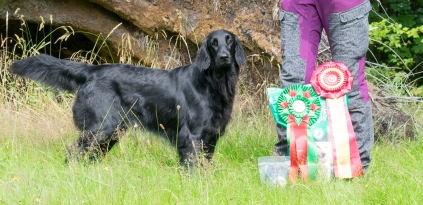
(112,97)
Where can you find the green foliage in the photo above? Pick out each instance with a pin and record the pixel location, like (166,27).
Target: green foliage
(402,45)
(407,13)
(396,44)
(399,52)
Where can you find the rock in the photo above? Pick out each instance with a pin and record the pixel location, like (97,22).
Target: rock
(79,14)
(252,21)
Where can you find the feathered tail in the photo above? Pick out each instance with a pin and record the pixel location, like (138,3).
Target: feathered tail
(62,74)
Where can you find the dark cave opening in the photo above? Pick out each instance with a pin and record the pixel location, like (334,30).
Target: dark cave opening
(59,41)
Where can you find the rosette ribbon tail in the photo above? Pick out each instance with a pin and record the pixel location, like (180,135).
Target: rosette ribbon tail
(333,80)
(347,163)
(298,135)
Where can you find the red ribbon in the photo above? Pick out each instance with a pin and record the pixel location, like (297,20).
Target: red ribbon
(298,148)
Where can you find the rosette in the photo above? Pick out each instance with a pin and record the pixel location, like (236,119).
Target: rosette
(333,80)
(299,108)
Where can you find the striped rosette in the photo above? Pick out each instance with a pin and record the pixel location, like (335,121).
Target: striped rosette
(333,80)
(299,108)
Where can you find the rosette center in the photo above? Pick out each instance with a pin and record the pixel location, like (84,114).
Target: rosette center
(299,106)
(332,78)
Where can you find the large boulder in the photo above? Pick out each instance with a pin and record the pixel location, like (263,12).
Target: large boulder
(253,22)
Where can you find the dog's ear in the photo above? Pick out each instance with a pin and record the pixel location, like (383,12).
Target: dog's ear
(240,57)
(203,57)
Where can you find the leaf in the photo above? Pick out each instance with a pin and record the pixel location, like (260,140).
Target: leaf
(418,48)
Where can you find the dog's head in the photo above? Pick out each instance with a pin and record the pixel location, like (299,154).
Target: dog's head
(222,49)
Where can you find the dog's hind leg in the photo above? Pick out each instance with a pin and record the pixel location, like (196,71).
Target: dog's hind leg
(98,122)
(91,146)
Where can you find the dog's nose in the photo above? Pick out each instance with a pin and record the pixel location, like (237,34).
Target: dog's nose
(224,56)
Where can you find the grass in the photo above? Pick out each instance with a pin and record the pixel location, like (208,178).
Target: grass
(144,169)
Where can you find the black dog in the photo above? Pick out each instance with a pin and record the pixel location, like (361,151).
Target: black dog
(190,105)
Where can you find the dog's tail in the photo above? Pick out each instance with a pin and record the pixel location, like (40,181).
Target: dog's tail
(62,74)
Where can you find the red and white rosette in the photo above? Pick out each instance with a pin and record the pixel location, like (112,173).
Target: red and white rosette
(332,80)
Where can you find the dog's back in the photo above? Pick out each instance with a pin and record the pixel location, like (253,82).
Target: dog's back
(62,74)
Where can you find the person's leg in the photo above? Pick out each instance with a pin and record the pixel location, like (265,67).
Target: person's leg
(301,30)
(348,37)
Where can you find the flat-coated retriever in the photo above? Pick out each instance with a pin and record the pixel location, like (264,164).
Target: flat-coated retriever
(190,105)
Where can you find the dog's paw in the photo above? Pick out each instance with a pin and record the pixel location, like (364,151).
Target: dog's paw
(86,155)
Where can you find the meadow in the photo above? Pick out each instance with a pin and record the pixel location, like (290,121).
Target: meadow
(144,169)
(35,128)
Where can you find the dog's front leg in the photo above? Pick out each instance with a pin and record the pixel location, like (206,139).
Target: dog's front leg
(190,151)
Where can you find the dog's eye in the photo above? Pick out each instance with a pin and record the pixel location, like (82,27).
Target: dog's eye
(214,43)
(229,41)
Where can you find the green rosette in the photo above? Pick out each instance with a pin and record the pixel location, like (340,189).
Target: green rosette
(300,101)
(297,108)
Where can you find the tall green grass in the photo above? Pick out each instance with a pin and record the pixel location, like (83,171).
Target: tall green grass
(144,169)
